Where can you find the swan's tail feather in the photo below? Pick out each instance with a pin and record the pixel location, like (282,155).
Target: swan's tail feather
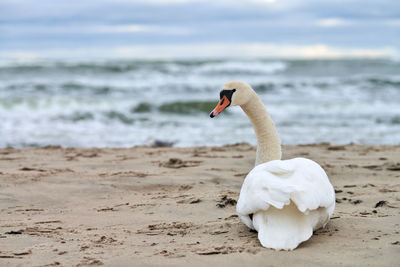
(282,229)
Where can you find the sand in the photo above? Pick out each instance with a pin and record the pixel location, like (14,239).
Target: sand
(146,206)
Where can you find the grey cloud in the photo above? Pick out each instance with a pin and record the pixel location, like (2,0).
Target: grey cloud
(48,23)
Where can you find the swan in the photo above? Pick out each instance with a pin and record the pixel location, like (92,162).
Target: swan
(283,200)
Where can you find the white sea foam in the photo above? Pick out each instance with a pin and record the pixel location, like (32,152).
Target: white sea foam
(123,103)
(248,67)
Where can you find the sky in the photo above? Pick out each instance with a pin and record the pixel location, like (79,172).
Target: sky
(200,28)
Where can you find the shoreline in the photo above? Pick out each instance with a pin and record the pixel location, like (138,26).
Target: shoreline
(174,206)
(329,144)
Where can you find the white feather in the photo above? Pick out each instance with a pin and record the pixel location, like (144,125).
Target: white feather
(288,199)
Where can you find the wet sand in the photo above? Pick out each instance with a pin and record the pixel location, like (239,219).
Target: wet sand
(147,206)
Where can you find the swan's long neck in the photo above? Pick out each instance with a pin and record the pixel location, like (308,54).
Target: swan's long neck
(269,144)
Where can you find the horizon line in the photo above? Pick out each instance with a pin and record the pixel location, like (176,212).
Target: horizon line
(208,51)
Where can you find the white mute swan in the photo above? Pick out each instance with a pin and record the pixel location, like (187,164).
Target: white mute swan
(283,200)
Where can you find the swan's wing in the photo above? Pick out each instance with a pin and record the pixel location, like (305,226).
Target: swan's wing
(278,182)
(264,187)
(288,199)
(313,188)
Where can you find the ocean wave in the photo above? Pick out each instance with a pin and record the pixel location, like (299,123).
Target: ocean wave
(96,103)
(383,82)
(78,66)
(188,107)
(119,116)
(76,116)
(142,69)
(175,107)
(242,67)
(61,87)
(142,107)
(394,120)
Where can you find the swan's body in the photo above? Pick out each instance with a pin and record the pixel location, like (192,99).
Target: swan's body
(288,199)
(283,200)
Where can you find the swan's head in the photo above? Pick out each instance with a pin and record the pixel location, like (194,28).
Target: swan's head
(233,94)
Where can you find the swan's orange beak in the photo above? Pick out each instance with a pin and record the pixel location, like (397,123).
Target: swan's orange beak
(223,103)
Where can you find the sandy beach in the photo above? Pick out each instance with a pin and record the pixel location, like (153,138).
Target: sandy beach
(148,206)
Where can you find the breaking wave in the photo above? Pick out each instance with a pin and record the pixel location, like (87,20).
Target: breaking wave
(124,102)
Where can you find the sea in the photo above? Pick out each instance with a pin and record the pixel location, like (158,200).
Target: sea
(125,103)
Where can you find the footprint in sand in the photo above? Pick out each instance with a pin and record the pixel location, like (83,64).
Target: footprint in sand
(176,163)
(225,201)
